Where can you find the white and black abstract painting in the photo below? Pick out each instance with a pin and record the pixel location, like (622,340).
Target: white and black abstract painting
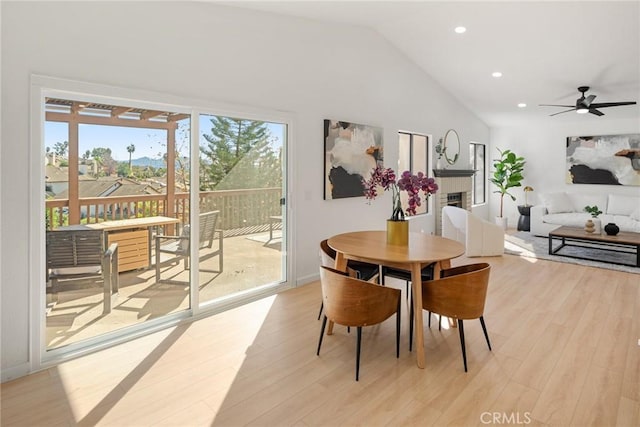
(604,159)
(351,153)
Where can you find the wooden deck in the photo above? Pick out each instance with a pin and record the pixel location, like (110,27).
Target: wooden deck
(249,261)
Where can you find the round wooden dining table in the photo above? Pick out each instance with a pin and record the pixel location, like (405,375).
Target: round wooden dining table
(423,250)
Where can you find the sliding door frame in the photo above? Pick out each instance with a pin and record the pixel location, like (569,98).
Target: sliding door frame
(44,86)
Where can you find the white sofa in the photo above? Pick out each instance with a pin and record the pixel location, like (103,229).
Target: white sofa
(558,209)
(480,237)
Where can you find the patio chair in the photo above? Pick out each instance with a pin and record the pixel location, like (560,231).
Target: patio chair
(80,254)
(178,246)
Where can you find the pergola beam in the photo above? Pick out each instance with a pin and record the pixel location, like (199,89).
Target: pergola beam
(118,111)
(110,121)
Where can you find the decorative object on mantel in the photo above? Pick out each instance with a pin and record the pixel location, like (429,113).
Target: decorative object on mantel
(450,143)
(507,174)
(603,159)
(351,152)
(593,224)
(397,226)
(611,229)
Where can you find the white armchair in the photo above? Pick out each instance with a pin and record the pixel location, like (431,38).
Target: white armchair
(480,237)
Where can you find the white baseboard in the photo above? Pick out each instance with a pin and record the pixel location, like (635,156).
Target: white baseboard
(14,372)
(307,279)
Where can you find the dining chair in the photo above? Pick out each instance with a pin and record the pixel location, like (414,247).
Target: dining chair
(459,294)
(80,254)
(178,246)
(426,273)
(359,270)
(353,302)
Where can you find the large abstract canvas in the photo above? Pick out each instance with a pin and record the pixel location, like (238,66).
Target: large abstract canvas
(351,152)
(604,159)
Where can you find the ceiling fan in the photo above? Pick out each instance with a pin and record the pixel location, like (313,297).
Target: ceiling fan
(585,104)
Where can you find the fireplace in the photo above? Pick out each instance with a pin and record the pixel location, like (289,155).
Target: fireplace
(454,199)
(454,189)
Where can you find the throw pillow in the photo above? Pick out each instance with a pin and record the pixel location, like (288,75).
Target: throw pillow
(636,214)
(622,205)
(557,202)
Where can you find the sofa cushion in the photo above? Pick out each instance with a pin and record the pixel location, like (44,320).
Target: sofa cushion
(635,215)
(579,201)
(622,205)
(569,219)
(557,202)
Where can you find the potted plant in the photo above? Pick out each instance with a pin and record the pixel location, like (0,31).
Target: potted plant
(593,225)
(507,174)
(397,227)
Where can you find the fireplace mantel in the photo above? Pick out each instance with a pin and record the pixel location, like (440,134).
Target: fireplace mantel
(451,173)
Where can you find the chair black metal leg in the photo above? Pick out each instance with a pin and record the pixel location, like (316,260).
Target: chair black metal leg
(439,322)
(407,290)
(464,351)
(428,321)
(358,352)
(321,307)
(324,323)
(398,314)
(484,329)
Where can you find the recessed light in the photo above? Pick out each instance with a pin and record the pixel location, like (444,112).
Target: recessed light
(522,105)
(496,74)
(460,30)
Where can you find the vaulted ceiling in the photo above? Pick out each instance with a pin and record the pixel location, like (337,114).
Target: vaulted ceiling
(545,50)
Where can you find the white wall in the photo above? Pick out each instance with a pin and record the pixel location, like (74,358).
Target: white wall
(543,145)
(211,53)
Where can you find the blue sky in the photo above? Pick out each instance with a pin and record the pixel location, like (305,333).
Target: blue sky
(149,142)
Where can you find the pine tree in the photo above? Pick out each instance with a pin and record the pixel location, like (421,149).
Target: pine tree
(239,154)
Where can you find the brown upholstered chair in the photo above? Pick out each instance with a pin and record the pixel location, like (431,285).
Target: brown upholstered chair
(460,294)
(359,270)
(353,302)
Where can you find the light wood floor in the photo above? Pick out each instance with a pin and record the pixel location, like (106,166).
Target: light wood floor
(565,352)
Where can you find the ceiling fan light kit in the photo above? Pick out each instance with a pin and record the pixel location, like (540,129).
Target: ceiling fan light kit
(586,105)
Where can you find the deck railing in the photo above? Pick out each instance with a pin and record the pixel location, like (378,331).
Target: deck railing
(238,208)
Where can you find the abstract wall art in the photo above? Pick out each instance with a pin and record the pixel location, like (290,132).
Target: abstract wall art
(603,159)
(351,152)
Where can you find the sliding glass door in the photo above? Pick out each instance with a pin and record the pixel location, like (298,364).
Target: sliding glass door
(122,190)
(242,181)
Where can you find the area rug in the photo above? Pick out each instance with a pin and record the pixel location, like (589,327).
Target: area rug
(527,245)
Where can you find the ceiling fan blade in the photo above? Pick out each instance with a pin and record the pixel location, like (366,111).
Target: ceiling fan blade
(555,105)
(588,100)
(611,104)
(596,112)
(560,112)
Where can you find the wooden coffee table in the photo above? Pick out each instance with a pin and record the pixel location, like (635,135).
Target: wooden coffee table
(625,242)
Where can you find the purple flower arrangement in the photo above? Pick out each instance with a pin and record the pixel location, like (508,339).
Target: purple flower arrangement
(412,184)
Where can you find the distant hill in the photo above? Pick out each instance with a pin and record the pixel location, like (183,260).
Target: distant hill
(147,161)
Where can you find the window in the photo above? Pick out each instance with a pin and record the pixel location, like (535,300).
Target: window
(479,179)
(413,149)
